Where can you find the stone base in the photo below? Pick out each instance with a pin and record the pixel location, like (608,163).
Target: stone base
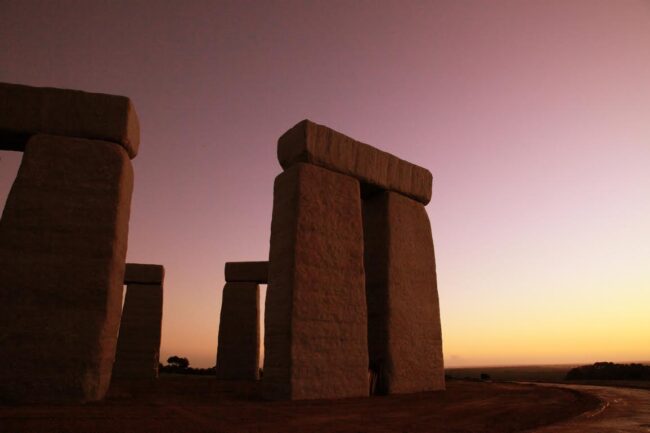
(63,239)
(404,333)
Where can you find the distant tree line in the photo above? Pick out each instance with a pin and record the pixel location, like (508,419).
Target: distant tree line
(610,371)
(178,365)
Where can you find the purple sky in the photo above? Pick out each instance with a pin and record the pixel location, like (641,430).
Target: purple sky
(533,116)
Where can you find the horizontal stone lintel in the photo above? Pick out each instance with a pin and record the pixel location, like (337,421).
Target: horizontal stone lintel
(26,110)
(319,145)
(247,272)
(137,273)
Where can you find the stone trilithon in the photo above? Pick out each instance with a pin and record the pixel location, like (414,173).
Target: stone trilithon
(352,303)
(63,240)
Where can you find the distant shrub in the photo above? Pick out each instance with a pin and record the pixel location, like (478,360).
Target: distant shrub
(485,376)
(177,361)
(178,365)
(610,371)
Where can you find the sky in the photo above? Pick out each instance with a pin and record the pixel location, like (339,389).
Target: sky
(533,116)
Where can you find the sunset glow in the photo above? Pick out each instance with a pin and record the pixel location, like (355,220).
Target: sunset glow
(534,118)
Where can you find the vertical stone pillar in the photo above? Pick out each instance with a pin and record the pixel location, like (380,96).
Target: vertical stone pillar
(404,335)
(138,343)
(63,240)
(238,351)
(315,317)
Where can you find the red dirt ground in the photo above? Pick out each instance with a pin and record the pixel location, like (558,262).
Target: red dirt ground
(203,404)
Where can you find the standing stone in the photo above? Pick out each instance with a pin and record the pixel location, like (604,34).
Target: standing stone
(404,336)
(238,351)
(315,317)
(138,343)
(63,240)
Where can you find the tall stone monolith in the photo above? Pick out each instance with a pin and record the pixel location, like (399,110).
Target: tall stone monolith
(404,333)
(63,241)
(315,317)
(238,350)
(138,343)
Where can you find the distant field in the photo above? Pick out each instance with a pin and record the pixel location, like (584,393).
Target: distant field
(537,373)
(527,373)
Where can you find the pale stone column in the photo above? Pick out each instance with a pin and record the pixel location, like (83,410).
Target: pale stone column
(63,240)
(404,335)
(315,317)
(138,343)
(238,351)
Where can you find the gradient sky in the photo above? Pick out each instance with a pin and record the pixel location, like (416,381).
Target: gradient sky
(533,116)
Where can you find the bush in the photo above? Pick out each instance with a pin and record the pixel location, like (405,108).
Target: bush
(178,365)
(610,371)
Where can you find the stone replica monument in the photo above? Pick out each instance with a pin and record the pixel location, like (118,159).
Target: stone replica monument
(352,279)
(63,240)
(138,343)
(238,351)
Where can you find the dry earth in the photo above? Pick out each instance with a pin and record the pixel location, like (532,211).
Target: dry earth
(200,404)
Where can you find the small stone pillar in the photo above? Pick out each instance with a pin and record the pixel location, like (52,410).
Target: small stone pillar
(404,334)
(315,317)
(138,343)
(63,241)
(238,350)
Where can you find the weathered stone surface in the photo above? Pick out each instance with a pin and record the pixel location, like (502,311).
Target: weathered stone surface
(404,336)
(137,273)
(255,272)
(320,145)
(63,241)
(138,343)
(25,111)
(238,351)
(315,317)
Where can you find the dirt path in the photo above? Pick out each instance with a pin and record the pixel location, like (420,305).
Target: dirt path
(624,410)
(206,405)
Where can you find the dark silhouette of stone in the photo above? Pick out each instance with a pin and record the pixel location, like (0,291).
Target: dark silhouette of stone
(322,146)
(250,272)
(138,343)
(404,336)
(63,241)
(25,111)
(315,318)
(238,351)
(137,273)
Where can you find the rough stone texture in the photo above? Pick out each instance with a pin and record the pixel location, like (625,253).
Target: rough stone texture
(404,336)
(25,111)
(255,272)
(320,145)
(63,241)
(138,343)
(238,351)
(315,317)
(137,273)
